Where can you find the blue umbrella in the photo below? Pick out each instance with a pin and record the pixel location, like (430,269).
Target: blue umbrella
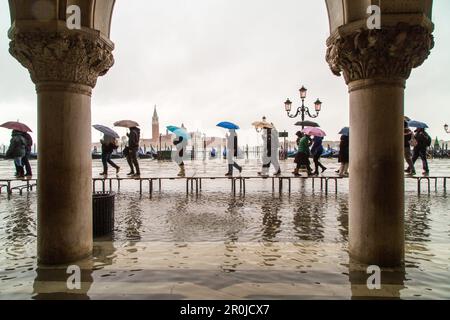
(106,131)
(417,124)
(345,131)
(180,132)
(228,125)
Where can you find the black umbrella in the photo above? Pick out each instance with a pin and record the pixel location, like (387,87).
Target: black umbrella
(307,124)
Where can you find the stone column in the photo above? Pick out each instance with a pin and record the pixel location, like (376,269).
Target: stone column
(64,65)
(376,65)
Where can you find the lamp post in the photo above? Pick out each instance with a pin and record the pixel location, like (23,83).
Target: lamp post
(446,128)
(303,110)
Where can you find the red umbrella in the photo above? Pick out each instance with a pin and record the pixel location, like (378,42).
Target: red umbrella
(15,125)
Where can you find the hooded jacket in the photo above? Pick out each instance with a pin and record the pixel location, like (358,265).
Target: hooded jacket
(17,146)
(134,137)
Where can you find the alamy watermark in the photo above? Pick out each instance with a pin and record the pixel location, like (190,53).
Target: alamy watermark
(73,20)
(74,280)
(374,280)
(374,20)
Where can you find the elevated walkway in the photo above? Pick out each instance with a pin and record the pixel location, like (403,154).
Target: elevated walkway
(238,184)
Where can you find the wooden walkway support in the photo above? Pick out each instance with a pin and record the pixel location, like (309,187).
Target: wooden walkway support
(238,184)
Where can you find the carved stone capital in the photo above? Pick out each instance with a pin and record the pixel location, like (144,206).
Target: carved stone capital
(68,57)
(388,53)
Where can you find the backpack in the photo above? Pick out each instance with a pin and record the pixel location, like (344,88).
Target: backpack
(28,139)
(428,139)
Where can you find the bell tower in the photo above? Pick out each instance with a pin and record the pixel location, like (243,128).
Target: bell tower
(155,125)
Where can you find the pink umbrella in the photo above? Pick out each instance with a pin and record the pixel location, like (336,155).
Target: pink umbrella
(316,132)
(15,125)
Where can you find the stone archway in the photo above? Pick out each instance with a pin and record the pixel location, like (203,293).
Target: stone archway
(64,64)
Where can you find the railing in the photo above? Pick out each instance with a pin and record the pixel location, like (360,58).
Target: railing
(238,184)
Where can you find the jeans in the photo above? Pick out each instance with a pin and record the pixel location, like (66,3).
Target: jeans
(19,166)
(408,158)
(317,163)
(26,164)
(230,167)
(132,160)
(106,158)
(18,162)
(422,154)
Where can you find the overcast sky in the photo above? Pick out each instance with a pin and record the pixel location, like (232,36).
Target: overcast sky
(204,61)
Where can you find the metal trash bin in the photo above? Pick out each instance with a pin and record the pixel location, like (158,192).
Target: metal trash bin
(103,213)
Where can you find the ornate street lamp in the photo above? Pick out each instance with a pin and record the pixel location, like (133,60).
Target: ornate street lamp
(303,110)
(446,128)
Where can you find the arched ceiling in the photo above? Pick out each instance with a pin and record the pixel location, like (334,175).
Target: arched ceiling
(95,15)
(344,12)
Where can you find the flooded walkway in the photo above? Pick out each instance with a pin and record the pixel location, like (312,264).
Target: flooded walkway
(213,245)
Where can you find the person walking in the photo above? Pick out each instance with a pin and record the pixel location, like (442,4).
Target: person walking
(109,144)
(344,155)
(420,150)
(26,158)
(317,151)
(16,151)
(232,152)
(409,141)
(178,142)
(133,146)
(302,156)
(270,152)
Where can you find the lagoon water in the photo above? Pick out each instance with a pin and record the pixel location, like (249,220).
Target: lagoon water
(214,245)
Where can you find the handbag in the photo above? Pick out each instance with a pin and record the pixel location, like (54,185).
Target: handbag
(126,152)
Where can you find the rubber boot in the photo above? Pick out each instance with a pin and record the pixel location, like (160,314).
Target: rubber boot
(230,171)
(182,172)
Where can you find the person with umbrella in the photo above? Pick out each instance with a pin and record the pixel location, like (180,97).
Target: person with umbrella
(302,156)
(16,151)
(270,148)
(317,147)
(409,141)
(134,137)
(344,152)
(20,134)
(180,143)
(232,147)
(109,144)
(131,150)
(420,150)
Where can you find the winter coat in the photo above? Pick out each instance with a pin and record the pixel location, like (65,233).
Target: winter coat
(232,145)
(133,138)
(178,144)
(408,134)
(344,147)
(422,141)
(28,140)
(108,144)
(317,148)
(303,145)
(17,146)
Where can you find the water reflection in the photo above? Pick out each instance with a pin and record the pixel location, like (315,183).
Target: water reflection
(271,222)
(392,282)
(51,282)
(417,222)
(308,218)
(342,218)
(133,220)
(20,224)
(231,259)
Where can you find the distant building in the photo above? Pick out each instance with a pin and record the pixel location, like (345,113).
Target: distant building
(158,141)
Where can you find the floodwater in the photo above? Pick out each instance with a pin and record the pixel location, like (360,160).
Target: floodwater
(216,246)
